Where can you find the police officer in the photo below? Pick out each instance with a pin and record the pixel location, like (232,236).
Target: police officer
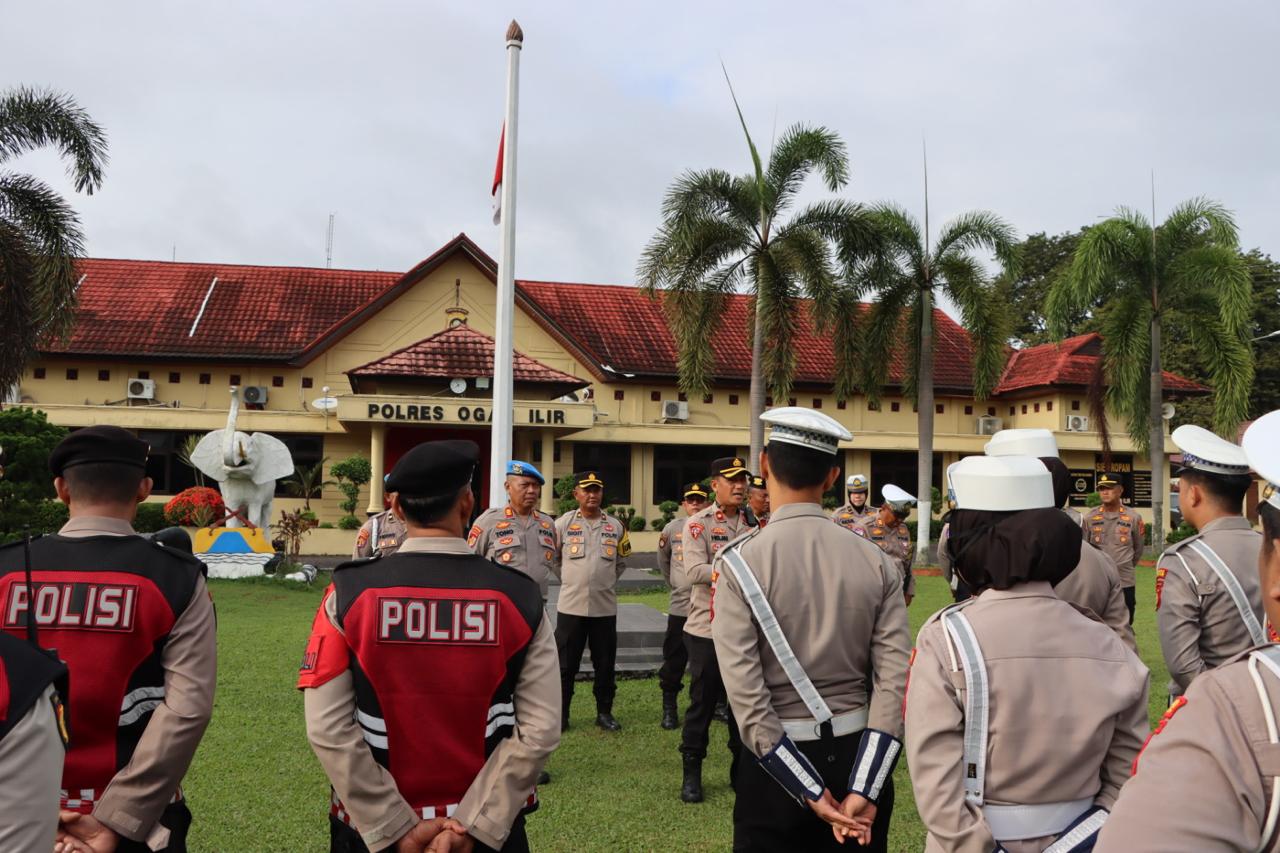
(438,733)
(1094,583)
(593,550)
(1208,603)
(888,529)
(758,500)
(381,533)
(856,508)
(134,623)
(671,555)
(31,744)
(1023,714)
(705,534)
(804,615)
(518,535)
(1118,531)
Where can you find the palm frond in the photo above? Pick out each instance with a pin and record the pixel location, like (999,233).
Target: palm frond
(979,229)
(1229,360)
(1126,346)
(845,343)
(755,155)
(982,314)
(883,332)
(900,237)
(780,318)
(31,119)
(1222,274)
(1197,221)
(800,151)
(1112,256)
(804,258)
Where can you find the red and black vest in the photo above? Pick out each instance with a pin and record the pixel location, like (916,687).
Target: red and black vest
(105,605)
(435,644)
(25,672)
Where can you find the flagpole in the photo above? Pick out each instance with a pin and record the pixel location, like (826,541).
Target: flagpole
(503,384)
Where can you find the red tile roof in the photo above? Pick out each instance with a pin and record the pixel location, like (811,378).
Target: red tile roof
(1071,363)
(458,352)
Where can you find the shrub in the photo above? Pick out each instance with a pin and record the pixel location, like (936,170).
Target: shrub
(624,514)
(349,522)
(198,506)
(150,518)
(657,524)
(1182,531)
(326,525)
(637,523)
(935,529)
(1093,499)
(668,510)
(351,473)
(26,485)
(563,490)
(42,518)
(291,527)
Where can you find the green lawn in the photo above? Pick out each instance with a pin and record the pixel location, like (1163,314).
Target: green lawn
(255,786)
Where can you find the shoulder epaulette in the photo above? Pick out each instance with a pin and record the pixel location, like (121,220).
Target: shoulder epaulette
(944,611)
(1181,543)
(357,563)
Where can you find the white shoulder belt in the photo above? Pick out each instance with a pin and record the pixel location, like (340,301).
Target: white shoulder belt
(1230,584)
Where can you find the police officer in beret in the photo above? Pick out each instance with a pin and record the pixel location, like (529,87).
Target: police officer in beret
(675,657)
(594,547)
(856,508)
(518,535)
(134,623)
(381,534)
(1118,531)
(437,735)
(758,500)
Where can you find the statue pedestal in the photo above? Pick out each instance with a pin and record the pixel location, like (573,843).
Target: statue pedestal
(232,552)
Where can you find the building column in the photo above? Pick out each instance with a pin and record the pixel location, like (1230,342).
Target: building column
(548,471)
(377,462)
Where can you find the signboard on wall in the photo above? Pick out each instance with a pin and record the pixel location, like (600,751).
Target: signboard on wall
(455,411)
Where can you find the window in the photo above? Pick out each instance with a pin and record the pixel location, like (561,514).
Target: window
(618,394)
(555,453)
(682,397)
(307,450)
(144,374)
(938,408)
(1049,406)
(968,410)
(38,373)
(991,411)
(164,465)
(900,468)
(235,379)
(707,398)
(206,378)
(817,402)
(73,374)
(733,399)
(1037,407)
(277,381)
(104,375)
(1024,408)
(613,461)
(768,401)
(175,378)
(895,406)
(1075,405)
(873,406)
(1011,411)
(307,382)
(655,396)
(841,405)
(676,465)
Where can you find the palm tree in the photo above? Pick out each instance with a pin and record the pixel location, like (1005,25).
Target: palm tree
(307,482)
(1190,264)
(907,283)
(721,233)
(40,236)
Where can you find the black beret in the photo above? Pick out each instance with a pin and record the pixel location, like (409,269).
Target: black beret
(758,482)
(434,469)
(99,444)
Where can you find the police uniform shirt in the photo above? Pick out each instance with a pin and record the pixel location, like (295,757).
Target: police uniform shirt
(593,554)
(1094,584)
(1119,534)
(671,564)
(380,534)
(706,532)
(139,791)
(31,746)
(894,541)
(368,792)
(1067,714)
(526,543)
(1200,625)
(848,515)
(1207,775)
(838,601)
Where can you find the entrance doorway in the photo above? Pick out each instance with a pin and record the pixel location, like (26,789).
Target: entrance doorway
(400,440)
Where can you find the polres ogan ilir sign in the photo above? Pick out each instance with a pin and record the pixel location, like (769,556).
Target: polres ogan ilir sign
(456,411)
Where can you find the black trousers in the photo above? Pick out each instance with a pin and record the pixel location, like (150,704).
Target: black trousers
(344,839)
(176,817)
(600,633)
(766,818)
(1130,600)
(705,689)
(675,657)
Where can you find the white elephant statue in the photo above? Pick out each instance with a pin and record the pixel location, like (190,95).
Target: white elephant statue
(245,466)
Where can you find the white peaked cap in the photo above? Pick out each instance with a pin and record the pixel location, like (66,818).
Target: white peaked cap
(805,427)
(1000,483)
(1022,442)
(857,481)
(1204,451)
(1262,448)
(897,495)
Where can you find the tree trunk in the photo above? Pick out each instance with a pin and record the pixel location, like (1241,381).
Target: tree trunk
(756,408)
(924,397)
(1158,487)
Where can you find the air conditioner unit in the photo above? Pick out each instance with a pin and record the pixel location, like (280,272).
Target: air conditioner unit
(141,389)
(1077,423)
(989,425)
(254,394)
(675,410)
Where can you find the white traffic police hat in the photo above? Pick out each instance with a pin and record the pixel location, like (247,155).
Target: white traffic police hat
(999,483)
(1261,446)
(1022,442)
(857,483)
(898,499)
(805,427)
(1204,451)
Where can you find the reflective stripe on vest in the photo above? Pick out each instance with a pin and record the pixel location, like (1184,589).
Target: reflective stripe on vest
(1270,658)
(1232,586)
(976,704)
(773,633)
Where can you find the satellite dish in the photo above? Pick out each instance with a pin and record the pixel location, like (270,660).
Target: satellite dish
(457,386)
(1167,411)
(325,404)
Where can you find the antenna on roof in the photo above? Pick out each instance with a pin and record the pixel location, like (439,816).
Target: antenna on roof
(175,252)
(328,245)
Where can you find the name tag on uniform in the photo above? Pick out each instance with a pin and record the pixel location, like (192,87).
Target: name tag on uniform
(73,606)
(438,620)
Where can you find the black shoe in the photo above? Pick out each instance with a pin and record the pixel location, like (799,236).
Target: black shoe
(544,778)
(606,721)
(564,723)
(691,789)
(721,713)
(670,713)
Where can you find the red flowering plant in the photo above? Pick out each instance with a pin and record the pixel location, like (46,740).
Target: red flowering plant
(198,506)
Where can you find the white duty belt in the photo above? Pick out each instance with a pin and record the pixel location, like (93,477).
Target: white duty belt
(1230,584)
(1269,658)
(1007,822)
(773,633)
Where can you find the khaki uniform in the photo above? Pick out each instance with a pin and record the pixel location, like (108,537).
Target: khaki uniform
(1207,775)
(526,543)
(894,541)
(1119,535)
(593,554)
(705,533)
(1200,625)
(1074,515)
(380,534)
(847,515)
(671,564)
(1094,584)
(1067,714)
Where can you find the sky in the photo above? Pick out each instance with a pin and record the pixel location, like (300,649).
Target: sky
(237,128)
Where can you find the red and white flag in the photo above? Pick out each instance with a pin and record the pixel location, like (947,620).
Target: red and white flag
(497,178)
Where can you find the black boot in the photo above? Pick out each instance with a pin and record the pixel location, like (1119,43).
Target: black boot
(544,777)
(670,713)
(691,790)
(605,720)
(564,711)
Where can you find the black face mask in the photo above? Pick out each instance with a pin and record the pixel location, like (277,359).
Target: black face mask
(1002,549)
